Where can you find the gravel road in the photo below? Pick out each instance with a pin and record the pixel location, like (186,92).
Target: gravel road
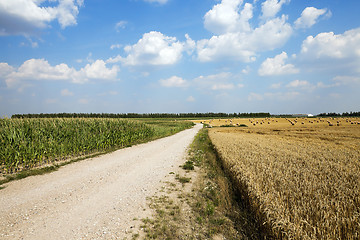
(97,198)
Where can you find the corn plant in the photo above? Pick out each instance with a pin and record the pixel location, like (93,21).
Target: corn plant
(27,143)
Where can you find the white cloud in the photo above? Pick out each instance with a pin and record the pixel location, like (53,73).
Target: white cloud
(31,43)
(174,81)
(272,34)
(67,11)
(338,52)
(270,8)
(277,66)
(309,17)
(114,46)
(120,25)
(154,48)
(98,70)
(24,17)
(66,92)
(236,39)
(244,45)
(298,83)
(190,99)
(190,45)
(226,17)
(5,69)
(303,85)
(230,45)
(330,45)
(40,69)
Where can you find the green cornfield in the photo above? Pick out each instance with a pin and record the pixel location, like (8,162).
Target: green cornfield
(28,143)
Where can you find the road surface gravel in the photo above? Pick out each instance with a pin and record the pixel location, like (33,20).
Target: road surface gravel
(97,198)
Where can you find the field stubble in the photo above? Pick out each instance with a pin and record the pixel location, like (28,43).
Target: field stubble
(302,180)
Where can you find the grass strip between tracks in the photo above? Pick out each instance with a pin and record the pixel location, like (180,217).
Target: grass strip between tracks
(205,206)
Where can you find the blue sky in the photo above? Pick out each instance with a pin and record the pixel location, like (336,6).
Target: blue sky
(277,56)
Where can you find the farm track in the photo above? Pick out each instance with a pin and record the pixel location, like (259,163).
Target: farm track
(97,198)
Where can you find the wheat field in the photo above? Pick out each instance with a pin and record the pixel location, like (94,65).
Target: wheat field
(301,179)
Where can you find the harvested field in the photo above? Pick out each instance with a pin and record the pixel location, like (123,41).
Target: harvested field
(302,180)
(282,122)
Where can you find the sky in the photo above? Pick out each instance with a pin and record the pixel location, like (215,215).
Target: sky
(179,56)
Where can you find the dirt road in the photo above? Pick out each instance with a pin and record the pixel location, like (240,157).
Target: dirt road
(96,198)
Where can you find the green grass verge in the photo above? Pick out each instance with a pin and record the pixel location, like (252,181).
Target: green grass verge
(211,210)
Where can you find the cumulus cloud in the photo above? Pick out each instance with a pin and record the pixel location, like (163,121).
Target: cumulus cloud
(40,69)
(270,8)
(330,45)
(174,81)
(5,69)
(154,48)
(235,38)
(230,45)
(226,17)
(225,46)
(98,71)
(309,17)
(24,17)
(338,52)
(277,66)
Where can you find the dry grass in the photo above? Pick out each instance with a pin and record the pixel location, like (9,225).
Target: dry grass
(302,179)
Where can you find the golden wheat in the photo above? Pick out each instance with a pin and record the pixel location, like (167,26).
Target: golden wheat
(304,177)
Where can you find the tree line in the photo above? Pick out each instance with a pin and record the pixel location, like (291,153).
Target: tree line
(345,114)
(142,115)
